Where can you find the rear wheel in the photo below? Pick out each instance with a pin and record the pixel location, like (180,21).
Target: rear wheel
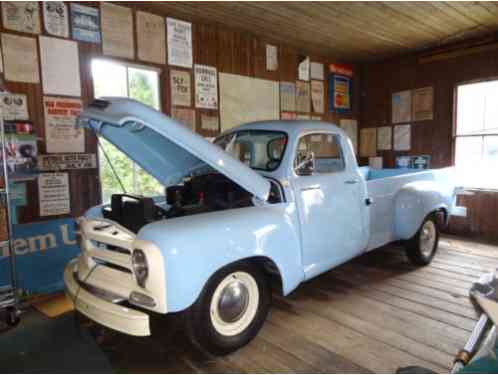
(231,309)
(422,247)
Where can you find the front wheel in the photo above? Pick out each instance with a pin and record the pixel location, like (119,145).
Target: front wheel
(422,247)
(231,309)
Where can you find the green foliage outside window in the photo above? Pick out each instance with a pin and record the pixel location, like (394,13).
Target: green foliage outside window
(143,85)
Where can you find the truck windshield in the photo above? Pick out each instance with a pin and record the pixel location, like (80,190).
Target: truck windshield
(258,149)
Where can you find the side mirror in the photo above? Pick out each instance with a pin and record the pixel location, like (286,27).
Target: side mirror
(305,164)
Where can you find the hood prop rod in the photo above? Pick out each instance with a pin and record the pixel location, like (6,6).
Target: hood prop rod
(110,165)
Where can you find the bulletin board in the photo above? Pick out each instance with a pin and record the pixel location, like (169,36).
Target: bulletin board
(245,99)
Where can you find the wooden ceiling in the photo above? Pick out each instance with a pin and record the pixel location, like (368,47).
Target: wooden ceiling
(348,31)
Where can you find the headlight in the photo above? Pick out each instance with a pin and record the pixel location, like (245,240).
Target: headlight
(140,267)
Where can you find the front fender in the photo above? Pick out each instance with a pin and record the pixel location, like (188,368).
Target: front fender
(415,201)
(195,247)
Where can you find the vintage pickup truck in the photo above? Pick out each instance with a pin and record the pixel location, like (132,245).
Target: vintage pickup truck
(275,199)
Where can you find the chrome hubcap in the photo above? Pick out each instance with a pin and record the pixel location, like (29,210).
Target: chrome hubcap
(233,301)
(427,238)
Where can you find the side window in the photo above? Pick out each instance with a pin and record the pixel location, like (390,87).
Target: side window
(326,150)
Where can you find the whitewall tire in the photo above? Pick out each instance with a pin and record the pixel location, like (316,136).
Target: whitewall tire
(422,247)
(231,309)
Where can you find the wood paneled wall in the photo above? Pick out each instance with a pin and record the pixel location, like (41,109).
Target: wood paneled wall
(230,51)
(380,80)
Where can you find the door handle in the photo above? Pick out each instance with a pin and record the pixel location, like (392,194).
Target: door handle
(351,182)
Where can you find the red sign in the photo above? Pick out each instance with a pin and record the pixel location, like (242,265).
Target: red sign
(346,70)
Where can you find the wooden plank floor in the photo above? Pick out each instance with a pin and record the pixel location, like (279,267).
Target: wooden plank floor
(374,314)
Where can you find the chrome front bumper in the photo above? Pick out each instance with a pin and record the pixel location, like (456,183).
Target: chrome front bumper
(100,310)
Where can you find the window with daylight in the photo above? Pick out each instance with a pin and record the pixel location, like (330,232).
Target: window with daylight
(112,78)
(476,138)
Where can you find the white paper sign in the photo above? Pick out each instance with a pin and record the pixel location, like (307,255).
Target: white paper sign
(180,88)
(60,132)
(401,106)
(57,162)
(23,16)
(60,66)
(316,71)
(384,138)
(179,42)
(402,137)
(117,31)
(210,122)
(151,38)
(20,58)
(271,58)
(55,18)
(304,69)
(206,87)
(317,96)
(53,191)
(350,127)
(14,106)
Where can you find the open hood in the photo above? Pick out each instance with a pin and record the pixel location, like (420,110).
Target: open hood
(163,147)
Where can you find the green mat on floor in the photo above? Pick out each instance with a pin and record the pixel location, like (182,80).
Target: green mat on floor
(42,345)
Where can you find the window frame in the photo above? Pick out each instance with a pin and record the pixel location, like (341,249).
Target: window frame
(127,65)
(320,132)
(454,130)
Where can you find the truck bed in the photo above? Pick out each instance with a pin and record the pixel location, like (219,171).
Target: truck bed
(383,185)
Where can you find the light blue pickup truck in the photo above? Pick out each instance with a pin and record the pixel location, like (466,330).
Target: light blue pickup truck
(282,200)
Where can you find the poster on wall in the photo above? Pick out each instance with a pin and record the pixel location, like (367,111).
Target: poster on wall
(117,31)
(14,106)
(271,58)
(23,16)
(303,97)
(210,122)
(55,18)
(368,142)
(61,136)
(316,71)
(384,138)
(180,88)
(20,58)
(303,69)
(206,87)
(401,105)
(58,162)
(60,66)
(287,96)
(245,99)
(179,43)
(340,87)
(21,147)
(151,38)
(53,194)
(85,23)
(317,93)
(350,127)
(423,104)
(402,137)
(184,116)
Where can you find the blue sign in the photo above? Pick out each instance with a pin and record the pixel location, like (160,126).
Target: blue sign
(85,23)
(42,250)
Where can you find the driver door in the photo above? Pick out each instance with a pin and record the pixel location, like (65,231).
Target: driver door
(329,198)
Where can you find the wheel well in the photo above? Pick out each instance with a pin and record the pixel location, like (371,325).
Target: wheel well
(270,269)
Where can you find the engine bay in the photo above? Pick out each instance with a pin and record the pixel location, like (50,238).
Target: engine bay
(199,194)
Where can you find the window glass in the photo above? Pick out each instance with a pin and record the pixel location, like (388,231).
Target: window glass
(326,150)
(476,143)
(258,149)
(118,79)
